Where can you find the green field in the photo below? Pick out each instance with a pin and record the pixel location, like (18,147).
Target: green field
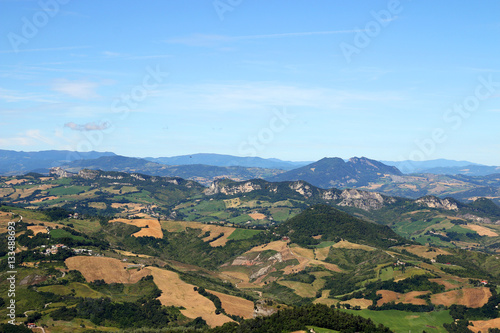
(70,190)
(325,244)
(403,322)
(240,234)
(241,219)
(60,233)
(388,273)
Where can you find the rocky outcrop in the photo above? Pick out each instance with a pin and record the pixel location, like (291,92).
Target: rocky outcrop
(435,202)
(349,197)
(232,189)
(302,188)
(60,172)
(356,198)
(364,200)
(88,174)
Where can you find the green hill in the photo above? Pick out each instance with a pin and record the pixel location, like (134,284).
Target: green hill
(333,224)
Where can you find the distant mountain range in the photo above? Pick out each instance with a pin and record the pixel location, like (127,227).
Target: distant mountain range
(458,179)
(19,162)
(201,173)
(228,160)
(335,172)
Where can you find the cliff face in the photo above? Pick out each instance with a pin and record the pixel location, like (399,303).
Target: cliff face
(60,172)
(88,174)
(435,202)
(364,200)
(232,189)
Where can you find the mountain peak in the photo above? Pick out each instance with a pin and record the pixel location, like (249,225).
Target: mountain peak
(335,172)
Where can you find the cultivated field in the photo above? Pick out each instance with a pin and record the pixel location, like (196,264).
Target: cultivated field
(108,269)
(236,306)
(257,216)
(482,231)
(149,227)
(213,229)
(470,297)
(408,298)
(16,181)
(51,197)
(424,251)
(361,302)
(343,244)
(181,294)
(484,325)
(38,229)
(450,282)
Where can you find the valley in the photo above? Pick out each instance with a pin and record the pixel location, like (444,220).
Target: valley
(245,249)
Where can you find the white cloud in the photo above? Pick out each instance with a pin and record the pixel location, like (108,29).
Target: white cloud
(77,89)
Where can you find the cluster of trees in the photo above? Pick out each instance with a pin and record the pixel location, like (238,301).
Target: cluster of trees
(125,315)
(295,319)
(56,213)
(344,283)
(415,283)
(303,277)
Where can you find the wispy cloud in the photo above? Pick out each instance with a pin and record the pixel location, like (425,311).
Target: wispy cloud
(77,89)
(110,54)
(17,96)
(29,138)
(246,96)
(88,126)
(210,40)
(63,48)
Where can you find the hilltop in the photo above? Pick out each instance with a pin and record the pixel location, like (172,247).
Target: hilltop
(335,172)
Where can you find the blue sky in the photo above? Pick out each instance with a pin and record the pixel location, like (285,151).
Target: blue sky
(295,80)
